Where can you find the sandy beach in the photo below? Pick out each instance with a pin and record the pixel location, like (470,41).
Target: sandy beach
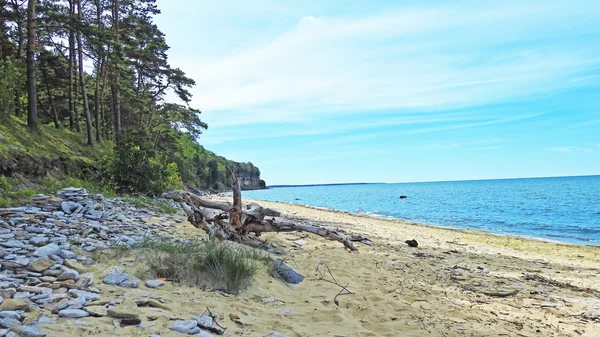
(456,283)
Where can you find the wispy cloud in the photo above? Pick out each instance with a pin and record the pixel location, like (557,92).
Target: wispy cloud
(567,149)
(398,60)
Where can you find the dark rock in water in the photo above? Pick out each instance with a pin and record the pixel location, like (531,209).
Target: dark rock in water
(287,274)
(403,197)
(412,243)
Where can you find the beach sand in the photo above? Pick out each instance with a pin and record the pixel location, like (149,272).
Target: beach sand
(445,287)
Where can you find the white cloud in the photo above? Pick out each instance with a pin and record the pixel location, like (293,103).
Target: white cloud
(449,55)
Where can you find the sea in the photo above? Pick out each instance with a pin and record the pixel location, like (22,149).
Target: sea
(563,209)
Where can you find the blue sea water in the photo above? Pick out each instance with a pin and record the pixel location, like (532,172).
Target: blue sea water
(565,209)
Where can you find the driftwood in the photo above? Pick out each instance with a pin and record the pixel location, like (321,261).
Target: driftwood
(234,222)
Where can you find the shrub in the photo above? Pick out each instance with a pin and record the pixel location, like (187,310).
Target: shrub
(137,167)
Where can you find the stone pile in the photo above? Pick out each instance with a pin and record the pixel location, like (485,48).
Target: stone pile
(44,256)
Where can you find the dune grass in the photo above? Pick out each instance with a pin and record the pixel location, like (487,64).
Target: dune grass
(209,264)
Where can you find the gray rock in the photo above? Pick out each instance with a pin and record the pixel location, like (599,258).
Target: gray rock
(10,314)
(57,258)
(195,330)
(205,321)
(76,303)
(130,283)
(34,230)
(85,280)
(45,320)
(66,254)
(38,240)
(287,274)
(22,294)
(276,334)
(68,274)
(183,326)
(73,313)
(47,250)
(9,323)
(13,244)
(115,276)
(154,283)
(10,257)
(23,261)
(30,331)
(88,296)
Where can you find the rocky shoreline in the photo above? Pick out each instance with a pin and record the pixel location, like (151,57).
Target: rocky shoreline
(45,253)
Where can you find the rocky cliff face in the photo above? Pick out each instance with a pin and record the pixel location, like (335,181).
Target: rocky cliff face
(251,182)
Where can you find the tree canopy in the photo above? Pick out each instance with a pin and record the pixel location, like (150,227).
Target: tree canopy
(100,68)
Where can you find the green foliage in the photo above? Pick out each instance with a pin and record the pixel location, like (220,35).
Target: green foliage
(157,147)
(218,265)
(5,185)
(204,169)
(138,168)
(11,76)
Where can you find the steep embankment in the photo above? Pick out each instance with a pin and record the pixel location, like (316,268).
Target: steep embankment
(60,152)
(49,151)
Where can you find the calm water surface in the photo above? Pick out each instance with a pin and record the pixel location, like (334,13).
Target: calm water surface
(563,209)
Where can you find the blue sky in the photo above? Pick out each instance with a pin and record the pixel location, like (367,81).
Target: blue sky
(394,91)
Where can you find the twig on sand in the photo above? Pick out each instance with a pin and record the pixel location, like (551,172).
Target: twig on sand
(551,282)
(344,289)
(221,329)
(501,294)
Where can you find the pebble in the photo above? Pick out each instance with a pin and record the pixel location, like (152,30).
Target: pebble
(10,314)
(183,326)
(130,283)
(9,323)
(40,265)
(29,331)
(14,304)
(68,274)
(47,250)
(115,276)
(276,334)
(154,283)
(86,295)
(73,313)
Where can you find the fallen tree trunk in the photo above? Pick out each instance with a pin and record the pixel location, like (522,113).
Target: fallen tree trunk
(243,224)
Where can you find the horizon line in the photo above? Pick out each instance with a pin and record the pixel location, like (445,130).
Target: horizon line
(428,181)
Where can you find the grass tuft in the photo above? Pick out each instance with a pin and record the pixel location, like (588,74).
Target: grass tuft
(162,206)
(210,264)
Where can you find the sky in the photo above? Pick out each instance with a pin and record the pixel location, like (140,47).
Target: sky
(394,91)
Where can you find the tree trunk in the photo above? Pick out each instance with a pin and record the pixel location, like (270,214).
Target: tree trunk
(86,106)
(98,100)
(50,99)
(71,68)
(105,121)
(115,87)
(21,40)
(32,121)
(99,70)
